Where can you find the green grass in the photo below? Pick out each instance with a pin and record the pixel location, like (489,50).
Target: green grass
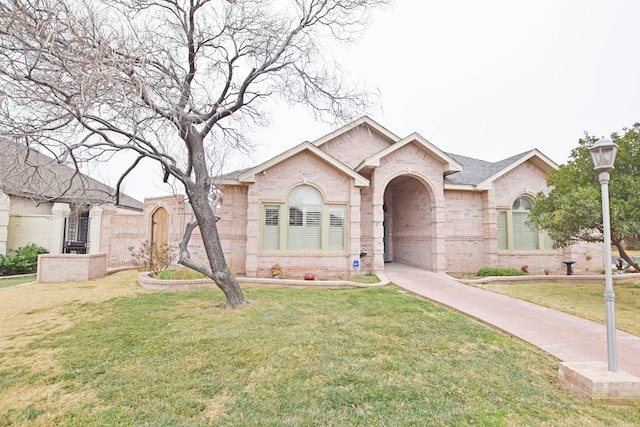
(5,283)
(295,357)
(180,274)
(583,300)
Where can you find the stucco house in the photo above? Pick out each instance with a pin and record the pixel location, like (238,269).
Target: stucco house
(52,205)
(362,196)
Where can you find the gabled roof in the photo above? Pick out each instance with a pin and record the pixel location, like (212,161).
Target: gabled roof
(249,175)
(451,164)
(362,121)
(25,172)
(460,172)
(479,174)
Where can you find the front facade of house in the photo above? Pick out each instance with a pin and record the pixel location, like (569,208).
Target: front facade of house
(344,204)
(362,196)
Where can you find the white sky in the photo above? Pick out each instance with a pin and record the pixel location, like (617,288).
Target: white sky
(487,79)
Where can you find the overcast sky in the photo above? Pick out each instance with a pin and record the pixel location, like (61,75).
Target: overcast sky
(488,79)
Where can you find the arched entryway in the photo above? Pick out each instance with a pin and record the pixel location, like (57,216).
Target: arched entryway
(409,223)
(160,227)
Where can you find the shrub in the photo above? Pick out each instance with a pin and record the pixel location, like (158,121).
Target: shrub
(498,271)
(23,260)
(152,257)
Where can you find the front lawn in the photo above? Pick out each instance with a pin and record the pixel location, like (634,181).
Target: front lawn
(12,281)
(107,353)
(582,300)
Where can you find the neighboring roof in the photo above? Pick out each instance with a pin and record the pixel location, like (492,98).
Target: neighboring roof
(25,172)
(249,175)
(452,165)
(480,174)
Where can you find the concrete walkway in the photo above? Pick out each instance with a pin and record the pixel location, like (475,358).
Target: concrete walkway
(566,337)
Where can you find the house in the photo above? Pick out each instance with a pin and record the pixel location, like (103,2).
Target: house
(341,205)
(362,196)
(45,202)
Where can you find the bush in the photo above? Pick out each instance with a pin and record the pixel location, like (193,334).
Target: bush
(498,271)
(152,257)
(23,260)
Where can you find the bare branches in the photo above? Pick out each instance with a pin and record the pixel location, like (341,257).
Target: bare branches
(175,81)
(153,76)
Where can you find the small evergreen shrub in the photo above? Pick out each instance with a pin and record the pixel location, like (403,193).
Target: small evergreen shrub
(498,271)
(23,260)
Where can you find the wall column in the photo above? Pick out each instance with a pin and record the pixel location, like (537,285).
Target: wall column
(95,229)
(59,212)
(254,214)
(5,206)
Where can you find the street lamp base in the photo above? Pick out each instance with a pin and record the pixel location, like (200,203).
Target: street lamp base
(592,381)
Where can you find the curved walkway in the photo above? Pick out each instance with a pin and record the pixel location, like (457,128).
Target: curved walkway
(566,337)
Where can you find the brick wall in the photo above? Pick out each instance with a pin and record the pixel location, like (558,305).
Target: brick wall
(71,268)
(355,145)
(464,231)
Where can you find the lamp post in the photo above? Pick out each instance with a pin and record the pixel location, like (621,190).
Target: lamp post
(604,153)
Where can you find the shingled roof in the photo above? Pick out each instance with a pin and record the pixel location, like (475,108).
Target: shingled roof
(474,171)
(25,172)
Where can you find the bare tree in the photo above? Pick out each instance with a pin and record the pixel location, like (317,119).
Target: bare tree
(170,80)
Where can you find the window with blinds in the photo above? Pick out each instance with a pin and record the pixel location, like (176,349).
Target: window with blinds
(311,225)
(513,231)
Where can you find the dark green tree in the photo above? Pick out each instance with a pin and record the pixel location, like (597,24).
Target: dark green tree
(572,210)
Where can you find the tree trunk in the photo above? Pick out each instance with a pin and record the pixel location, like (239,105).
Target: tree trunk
(219,271)
(624,255)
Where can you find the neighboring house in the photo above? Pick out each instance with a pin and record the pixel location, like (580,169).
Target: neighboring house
(50,204)
(362,196)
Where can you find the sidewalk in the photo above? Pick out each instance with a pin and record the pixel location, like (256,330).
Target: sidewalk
(566,337)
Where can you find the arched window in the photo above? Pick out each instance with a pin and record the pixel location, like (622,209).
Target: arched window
(311,225)
(513,231)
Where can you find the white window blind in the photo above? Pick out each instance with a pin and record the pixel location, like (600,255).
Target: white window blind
(503,238)
(304,231)
(336,229)
(271,229)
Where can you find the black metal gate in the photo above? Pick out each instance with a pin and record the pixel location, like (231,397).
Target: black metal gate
(76,234)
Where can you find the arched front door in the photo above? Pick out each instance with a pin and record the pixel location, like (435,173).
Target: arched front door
(160,227)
